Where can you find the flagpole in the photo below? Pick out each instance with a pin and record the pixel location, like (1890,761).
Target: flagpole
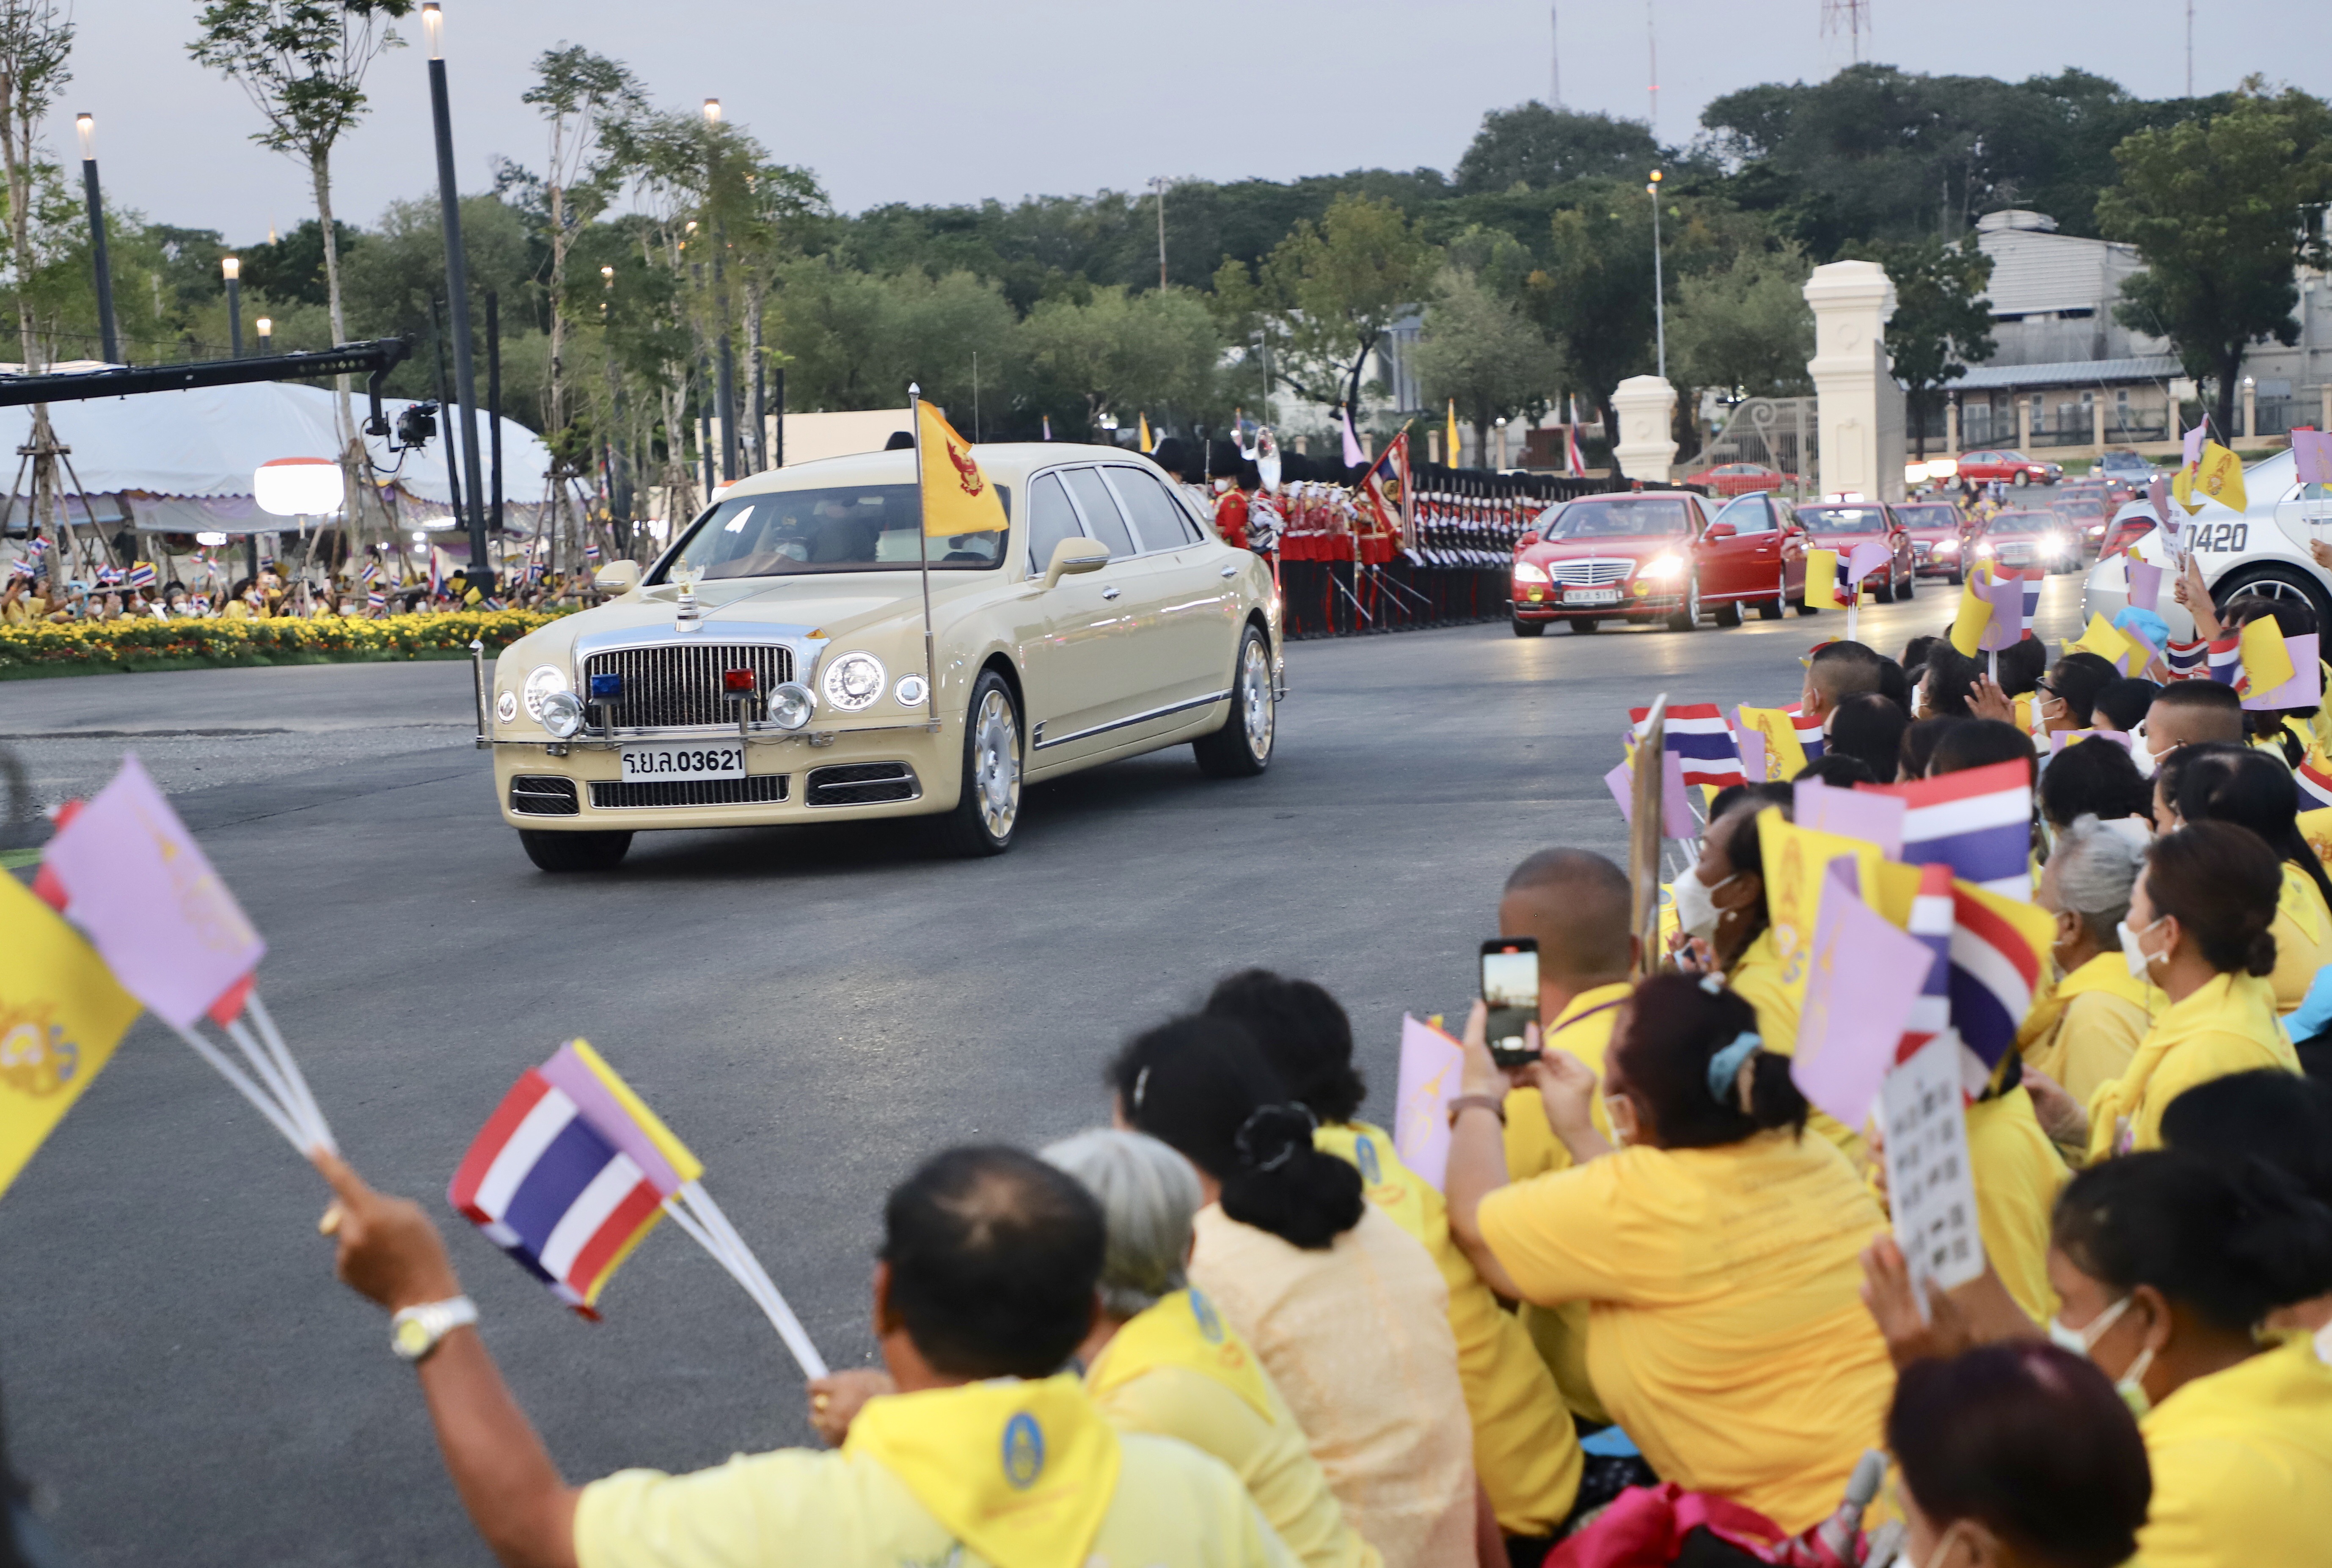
(923,549)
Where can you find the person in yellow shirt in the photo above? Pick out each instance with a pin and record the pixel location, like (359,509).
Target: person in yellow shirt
(985,1287)
(2016,1173)
(2016,1455)
(2198,924)
(2166,1262)
(2254,789)
(1161,1359)
(2088,1030)
(1525,1449)
(2277,1119)
(1716,1244)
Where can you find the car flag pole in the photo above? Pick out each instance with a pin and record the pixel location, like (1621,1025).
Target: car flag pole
(923,552)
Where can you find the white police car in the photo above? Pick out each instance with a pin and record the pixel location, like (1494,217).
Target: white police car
(2262,549)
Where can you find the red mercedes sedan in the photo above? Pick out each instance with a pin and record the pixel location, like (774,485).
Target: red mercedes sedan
(1841,525)
(1939,538)
(2000,463)
(1732,479)
(1647,556)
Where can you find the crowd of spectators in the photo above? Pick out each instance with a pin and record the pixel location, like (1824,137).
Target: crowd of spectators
(30,595)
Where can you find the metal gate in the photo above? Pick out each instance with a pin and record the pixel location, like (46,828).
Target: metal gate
(1776,433)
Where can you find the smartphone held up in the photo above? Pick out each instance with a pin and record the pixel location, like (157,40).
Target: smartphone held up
(1510,992)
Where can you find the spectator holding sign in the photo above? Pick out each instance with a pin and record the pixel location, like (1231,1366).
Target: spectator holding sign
(1716,1245)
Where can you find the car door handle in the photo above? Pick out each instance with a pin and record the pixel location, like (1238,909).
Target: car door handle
(1109,593)
(1230,572)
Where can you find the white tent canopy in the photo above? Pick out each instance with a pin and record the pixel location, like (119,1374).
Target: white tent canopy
(185,459)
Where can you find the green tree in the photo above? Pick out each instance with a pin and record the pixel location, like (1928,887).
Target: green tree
(2221,211)
(1131,353)
(853,340)
(35,42)
(1593,294)
(1534,145)
(291,267)
(1745,327)
(1942,322)
(1329,292)
(1480,351)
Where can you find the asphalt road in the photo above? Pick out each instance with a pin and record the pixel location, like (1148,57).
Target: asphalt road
(811,1009)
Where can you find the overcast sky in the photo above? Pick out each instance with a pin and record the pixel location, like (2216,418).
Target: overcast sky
(915,101)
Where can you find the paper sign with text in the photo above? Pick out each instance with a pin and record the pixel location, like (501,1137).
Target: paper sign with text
(1930,1188)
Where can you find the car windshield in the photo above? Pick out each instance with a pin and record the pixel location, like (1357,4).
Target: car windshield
(2021,522)
(1843,519)
(1928,515)
(837,528)
(1620,517)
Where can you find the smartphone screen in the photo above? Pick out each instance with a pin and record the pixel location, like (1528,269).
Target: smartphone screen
(1510,986)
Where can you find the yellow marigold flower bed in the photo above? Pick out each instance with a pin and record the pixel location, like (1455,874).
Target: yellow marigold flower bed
(80,647)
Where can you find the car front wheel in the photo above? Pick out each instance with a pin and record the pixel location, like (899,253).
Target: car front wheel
(987,807)
(1241,749)
(1688,618)
(1524,629)
(557,852)
(2021,480)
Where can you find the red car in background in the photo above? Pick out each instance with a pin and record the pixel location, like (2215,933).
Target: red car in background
(2029,537)
(1841,525)
(1652,555)
(1939,536)
(1734,479)
(2084,513)
(2001,462)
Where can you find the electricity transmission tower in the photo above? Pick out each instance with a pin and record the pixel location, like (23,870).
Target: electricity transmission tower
(1850,17)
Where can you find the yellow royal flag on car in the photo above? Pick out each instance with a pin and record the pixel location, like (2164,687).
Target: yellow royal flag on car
(957,496)
(62,1013)
(2220,477)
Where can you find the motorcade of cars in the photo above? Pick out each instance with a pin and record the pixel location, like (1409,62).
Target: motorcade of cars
(2026,537)
(2009,465)
(1841,525)
(769,666)
(1653,555)
(1939,535)
(2084,515)
(1732,479)
(2260,549)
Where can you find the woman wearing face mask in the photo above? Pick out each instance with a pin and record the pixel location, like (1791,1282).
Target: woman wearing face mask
(2166,1263)
(2066,698)
(2085,1034)
(2197,929)
(1715,1247)
(2248,786)
(2015,1456)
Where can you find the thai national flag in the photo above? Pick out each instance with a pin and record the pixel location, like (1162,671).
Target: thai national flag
(2315,782)
(591,553)
(371,571)
(108,576)
(2032,576)
(1994,973)
(1810,732)
(1931,922)
(549,1189)
(1978,823)
(36,547)
(376,601)
(2227,659)
(1701,740)
(142,575)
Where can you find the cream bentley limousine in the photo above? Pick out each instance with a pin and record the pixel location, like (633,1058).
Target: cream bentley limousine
(770,668)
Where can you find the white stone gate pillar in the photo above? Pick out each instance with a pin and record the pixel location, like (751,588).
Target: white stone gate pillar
(1647,446)
(1851,302)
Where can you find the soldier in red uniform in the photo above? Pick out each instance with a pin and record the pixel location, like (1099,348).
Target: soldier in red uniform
(1230,512)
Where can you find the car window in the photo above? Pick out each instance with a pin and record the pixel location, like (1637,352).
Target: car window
(1787,510)
(1158,523)
(1051,520)
(1843,519)
(1749,515)
(1621,517)
(834,527)
(1103,520)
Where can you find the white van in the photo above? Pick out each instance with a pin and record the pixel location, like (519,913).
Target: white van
(2262,549)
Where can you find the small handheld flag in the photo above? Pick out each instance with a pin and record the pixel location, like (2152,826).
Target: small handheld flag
(2219,477)
(2267,663)
(1973,617)
(61,1016)
(1978,822)
(1822,578)
(1698,737)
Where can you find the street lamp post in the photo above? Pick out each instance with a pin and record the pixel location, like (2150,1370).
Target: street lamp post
(457,301)
(107,334)
(266,326)
(724,396)
(233,267)
(1659,302)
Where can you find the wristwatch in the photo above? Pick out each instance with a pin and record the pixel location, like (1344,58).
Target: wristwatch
(414,1333)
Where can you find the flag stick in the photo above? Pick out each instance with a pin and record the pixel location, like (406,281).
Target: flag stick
(272,1079)
(721,1239)
(247,1089)
(1853,607)
(924,552)
(290,1068)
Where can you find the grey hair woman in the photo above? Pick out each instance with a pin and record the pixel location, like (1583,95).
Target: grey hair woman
(2088,1030)
(1149,1196)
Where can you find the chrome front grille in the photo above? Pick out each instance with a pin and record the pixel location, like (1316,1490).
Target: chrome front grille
(1590,573)
(677,685)
(616,794)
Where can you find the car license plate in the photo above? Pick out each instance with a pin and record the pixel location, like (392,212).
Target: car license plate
(644,764)
(1590,596)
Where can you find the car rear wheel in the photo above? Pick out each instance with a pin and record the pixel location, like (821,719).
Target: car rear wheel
(557,852)
(2021,478)
(1241,749)
(1524,629)
(988,805)
(2275,583)
(1688,618)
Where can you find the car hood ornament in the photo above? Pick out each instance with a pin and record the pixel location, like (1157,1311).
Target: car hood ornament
(687,616)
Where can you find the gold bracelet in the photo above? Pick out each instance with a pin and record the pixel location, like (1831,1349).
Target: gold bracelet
(1490,1103)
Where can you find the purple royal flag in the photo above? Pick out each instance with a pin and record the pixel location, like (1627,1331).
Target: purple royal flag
(2192,443)
(1622,782)
(2005,629)
(2305,687)
(1865,976)
(141,889)
(1432,1065)
(1675,805)
(2145,586)
(2313,451)
(1753,754)
(1852,813)
(1867,558)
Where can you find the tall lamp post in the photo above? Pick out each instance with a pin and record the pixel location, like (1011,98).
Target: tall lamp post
(1659,299)
(724,396)
(233,267)
(107,333)
(266,326)
(457,302)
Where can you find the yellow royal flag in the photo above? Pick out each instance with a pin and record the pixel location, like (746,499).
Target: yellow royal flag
(1821,580)
(1147,445)
(957,496)
(61,1016)
(2220,477)
(1974,612)
(2267,662)
(2106,640)
(1785,755)
(1452,438)
(1795,861)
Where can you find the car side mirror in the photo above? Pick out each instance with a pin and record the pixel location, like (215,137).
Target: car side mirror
(1720,530)
(1527,539)
(1074,557)
(617,577)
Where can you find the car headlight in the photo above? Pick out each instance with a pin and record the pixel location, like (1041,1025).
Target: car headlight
(853,682)
(562,713)
(1983,550)
(791,705)
(506,708)
(1525,571)
(1663,567)
(540,681)
(1947,546)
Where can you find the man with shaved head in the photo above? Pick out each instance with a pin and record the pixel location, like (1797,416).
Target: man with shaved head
(1836,671)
